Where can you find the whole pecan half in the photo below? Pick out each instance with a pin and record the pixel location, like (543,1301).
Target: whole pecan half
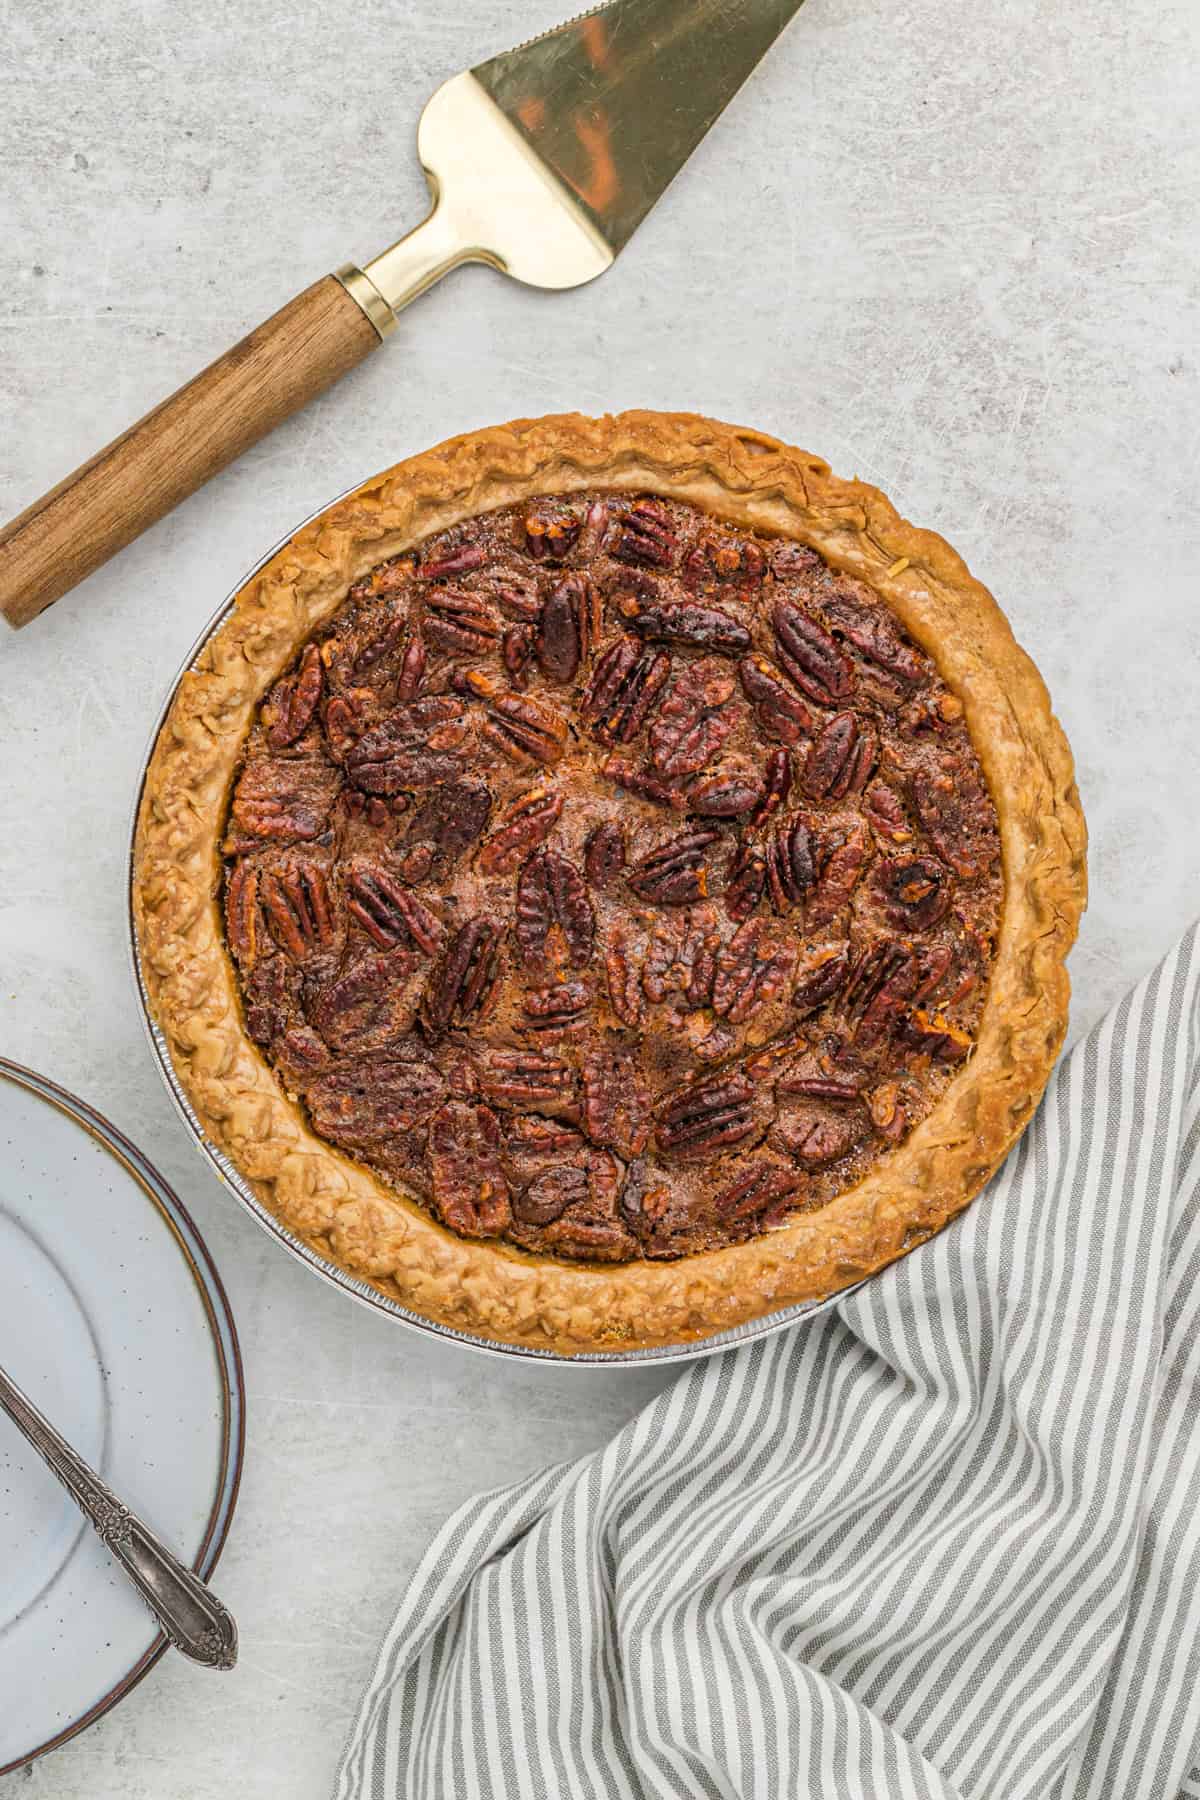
(298,910)
(683,960)
(708,1116)
(270,990)
(389,913)
(557,1011)
(241,913)
(460,622)
(760,1188)
(559,635)
(885,812)
(809,657)
(370,1115)
(363,1008)
(875,966)
(611,670)
(875,638)
(452,559)
(821,978)
(550,1194)
(637,780)
(524,1078)
(751,971)
(624,690)
(416,746)
(390,627)
(591,1232)
(776,787)
(791,864)
(300,1054)
(694,719)
(643,535)
(532,1143)
(746,879)
(604,855)
(282,799)
(467,1174)
(622,968)
(555,923)
(817,1140)
(527,731)
(687,622)
(676,874)
(660,967)
(880,986)
(291,706)
(698,959)
(934,964)
(730,791)
(520,828)
(615,1107)
(841,760)
(412,670)
(569,624)
(516,647)
(459,983)
(595,526)
(777,708)
(791,561)
(846,849)
(812,1086)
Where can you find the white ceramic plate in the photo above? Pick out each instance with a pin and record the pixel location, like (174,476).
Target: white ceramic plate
(114,1321)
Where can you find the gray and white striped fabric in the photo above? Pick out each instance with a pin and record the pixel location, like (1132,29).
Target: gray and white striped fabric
(943,1540)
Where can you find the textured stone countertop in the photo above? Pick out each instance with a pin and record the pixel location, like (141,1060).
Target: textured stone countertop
(951,248)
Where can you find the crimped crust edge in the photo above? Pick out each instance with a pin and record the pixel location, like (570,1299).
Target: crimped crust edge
(347,1214)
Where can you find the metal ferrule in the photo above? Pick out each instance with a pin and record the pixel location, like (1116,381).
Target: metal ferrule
(362,289)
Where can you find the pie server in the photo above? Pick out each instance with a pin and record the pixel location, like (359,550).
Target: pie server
(542,162)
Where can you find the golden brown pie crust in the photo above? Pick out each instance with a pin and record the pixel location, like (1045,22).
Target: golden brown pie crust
(347,1214)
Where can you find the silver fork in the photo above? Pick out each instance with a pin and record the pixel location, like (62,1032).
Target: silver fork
(193,1619)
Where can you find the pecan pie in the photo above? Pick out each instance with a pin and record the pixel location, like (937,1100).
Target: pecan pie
(608,879)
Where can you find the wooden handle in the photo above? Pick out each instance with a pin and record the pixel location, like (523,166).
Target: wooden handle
(166,456)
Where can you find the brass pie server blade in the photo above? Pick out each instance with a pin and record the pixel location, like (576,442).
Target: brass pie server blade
(544,160)
(615,102)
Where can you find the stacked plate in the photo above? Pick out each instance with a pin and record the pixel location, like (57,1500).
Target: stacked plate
(114,1321)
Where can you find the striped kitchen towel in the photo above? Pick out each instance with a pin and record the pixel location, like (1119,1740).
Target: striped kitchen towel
(942,1540)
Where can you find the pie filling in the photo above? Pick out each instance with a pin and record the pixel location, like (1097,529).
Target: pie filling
(613,880)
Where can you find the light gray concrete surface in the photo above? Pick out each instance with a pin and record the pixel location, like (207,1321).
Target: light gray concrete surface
(952,248)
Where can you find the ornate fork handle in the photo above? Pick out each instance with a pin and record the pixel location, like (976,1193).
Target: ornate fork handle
(193,1619)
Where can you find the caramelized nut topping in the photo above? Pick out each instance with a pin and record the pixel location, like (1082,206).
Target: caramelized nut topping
(612,879)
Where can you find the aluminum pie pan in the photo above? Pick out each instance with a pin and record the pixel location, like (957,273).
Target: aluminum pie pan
(330,1272)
